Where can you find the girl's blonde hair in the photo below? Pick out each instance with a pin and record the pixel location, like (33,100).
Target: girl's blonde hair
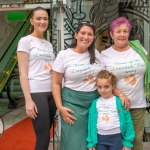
(104,74)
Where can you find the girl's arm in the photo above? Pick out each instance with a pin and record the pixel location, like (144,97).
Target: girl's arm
(56,89)
(125,100)
(128,134)
(92,126)
(23,62)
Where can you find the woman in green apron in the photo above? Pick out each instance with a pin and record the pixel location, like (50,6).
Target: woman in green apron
(78,65)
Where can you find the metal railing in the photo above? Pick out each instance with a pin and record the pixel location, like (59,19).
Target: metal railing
(10,59)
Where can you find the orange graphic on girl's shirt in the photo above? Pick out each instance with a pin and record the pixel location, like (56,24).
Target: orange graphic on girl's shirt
(131,79)
(105,118)
(47,67)
(90,78)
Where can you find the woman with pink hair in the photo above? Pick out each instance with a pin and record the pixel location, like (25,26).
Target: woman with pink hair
(128,62)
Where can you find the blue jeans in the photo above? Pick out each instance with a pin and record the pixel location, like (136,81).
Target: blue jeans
(109,142)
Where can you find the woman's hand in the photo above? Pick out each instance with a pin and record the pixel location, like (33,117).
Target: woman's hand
(125,101)
(126,148)
(31,109)
(93,148)
(66,114)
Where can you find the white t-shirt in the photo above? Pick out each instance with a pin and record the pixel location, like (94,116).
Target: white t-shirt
(108,119)
(41,58)
(79,74)
(129,68)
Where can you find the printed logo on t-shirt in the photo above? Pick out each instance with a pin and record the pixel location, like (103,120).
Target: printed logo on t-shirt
(105,118)
(87,71)
(90,78)
(131,79)
(128,69)
(48,67)
(38,53)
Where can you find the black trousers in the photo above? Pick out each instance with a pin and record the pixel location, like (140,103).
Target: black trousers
(45,117)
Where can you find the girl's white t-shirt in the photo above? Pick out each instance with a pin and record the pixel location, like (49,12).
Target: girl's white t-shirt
(79,74)
(41,58)
(129,68)
(108,118)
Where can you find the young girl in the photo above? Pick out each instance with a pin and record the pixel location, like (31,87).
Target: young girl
(109,125)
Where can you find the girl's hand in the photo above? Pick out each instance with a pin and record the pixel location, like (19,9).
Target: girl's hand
(126,148)
(66,114)
(125,101)
(93,148)
(31,109)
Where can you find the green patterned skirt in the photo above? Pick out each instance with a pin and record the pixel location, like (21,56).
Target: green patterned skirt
(73,137)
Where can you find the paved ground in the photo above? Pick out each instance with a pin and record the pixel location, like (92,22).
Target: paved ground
(146,145)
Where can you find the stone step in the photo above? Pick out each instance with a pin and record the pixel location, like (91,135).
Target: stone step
(15,81)
(3,106)
(15,88)
(4,100)
(13,94)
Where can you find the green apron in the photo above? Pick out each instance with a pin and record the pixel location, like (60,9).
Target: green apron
(73,137)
